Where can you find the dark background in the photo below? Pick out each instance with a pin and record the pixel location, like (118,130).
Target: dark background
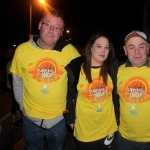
(82,18)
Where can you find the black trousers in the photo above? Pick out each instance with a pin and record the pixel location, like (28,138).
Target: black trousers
(101,144)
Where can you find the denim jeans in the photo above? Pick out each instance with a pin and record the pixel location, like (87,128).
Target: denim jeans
(124,144)
(34,136)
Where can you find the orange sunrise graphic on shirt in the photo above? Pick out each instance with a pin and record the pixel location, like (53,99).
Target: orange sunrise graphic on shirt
(136,90)
(46,70)
(97,91)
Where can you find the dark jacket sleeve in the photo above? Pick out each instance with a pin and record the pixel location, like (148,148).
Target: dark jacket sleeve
(73,70)
(70,108)
(71,98)
(113,70)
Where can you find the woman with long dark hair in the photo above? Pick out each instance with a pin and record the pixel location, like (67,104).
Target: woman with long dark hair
(92,105)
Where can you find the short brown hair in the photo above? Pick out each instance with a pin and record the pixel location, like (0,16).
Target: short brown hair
(54,12)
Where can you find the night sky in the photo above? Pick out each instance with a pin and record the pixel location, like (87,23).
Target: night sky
(82,18)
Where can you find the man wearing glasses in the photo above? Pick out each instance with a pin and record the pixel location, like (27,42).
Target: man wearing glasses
(40,83)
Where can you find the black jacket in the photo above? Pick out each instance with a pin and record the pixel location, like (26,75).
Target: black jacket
(73,69)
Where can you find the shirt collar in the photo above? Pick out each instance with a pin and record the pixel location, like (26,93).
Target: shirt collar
(128,63)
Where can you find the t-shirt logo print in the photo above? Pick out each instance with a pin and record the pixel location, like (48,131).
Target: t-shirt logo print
(97,92)
(109,139)
(136,90)
(46,70)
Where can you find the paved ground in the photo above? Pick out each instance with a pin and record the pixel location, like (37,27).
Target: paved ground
(9,136)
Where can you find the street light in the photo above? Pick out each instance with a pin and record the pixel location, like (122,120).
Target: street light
(42,1)
(67,31)
(67,36)
(30,35)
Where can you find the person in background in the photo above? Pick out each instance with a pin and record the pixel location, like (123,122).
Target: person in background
(16,114)
(92,95)
(4,59)
(40,83)
(133,86)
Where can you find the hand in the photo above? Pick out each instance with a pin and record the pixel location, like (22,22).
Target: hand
(72,126)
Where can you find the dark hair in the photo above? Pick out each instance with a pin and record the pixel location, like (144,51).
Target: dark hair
(88,53)
(53,12)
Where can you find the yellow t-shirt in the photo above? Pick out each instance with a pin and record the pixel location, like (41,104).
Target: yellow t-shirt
(95,117)
(44,79)
(134,92)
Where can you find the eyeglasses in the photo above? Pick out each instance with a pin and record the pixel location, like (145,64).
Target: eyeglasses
(48,25)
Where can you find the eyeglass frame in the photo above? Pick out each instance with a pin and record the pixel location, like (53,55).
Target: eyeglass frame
(50,26)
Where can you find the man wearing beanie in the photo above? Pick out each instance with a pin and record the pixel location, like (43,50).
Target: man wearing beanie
(134,94)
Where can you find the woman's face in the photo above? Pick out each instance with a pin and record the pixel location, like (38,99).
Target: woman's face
(100,50)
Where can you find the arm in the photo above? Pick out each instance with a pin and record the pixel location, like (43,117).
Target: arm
(73,70)
(70,104)
(70,110)
(17,88)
